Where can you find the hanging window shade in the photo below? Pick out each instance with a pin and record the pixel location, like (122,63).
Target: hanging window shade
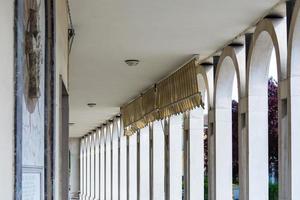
(140,112)
(149,106)
(175,94)
(132,115)
(179,92)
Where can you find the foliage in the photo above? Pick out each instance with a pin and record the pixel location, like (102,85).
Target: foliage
(206,151)
(205,188)
(235,147)
(273,126)
(273,191)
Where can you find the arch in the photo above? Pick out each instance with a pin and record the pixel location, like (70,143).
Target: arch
(227,68)
(115,131)
(264,41)
(294,103)
(206,82)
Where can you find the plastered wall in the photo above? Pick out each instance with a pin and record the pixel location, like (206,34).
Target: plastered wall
(6,99)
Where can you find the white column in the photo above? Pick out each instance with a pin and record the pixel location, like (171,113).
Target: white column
(293,106)
(123,165)
(258,148)
(158,161)
(85,169)
(196,154)
(242,143)
(92,196)
(294,135)
(89,167)
(97,165)
(102,164)
(223,153)
(211,156)
(83,190)
(108,162)
(176,157)
(133,167)
(115,175)
(74,146)
(144,164)
(81,169)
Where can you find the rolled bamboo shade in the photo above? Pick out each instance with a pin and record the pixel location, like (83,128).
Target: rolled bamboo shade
(140,112)
(176,94)
(150,111)
(132,113)
(179,92)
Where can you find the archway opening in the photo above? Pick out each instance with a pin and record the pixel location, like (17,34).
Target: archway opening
(273,127)
(235,138)
(226,130)
(263,119)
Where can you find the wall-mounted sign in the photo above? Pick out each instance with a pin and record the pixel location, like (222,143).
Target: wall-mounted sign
(32,180)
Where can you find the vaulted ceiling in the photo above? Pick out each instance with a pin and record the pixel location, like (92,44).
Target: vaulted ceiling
(161,34)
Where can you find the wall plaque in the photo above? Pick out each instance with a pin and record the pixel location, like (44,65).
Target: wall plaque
(32,180)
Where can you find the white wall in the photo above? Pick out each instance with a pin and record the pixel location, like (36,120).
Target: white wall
(7,99)
(74,145)
(61,62)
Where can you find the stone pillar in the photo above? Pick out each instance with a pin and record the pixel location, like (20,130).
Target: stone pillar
(196,153)
(242,143)
(211,155)
(176,158)
(74,145)
(284,154)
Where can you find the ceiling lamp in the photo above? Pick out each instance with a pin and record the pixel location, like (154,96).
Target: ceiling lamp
(91,105)
(132,62)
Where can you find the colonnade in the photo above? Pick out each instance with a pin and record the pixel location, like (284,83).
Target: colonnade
(114,166)
(165,160)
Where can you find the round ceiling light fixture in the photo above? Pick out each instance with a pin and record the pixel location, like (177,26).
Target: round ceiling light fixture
(132,62)
(91,105)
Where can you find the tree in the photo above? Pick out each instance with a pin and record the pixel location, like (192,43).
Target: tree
(235,142)
(273,126)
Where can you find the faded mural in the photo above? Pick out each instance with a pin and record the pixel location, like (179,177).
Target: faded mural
(33,108)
